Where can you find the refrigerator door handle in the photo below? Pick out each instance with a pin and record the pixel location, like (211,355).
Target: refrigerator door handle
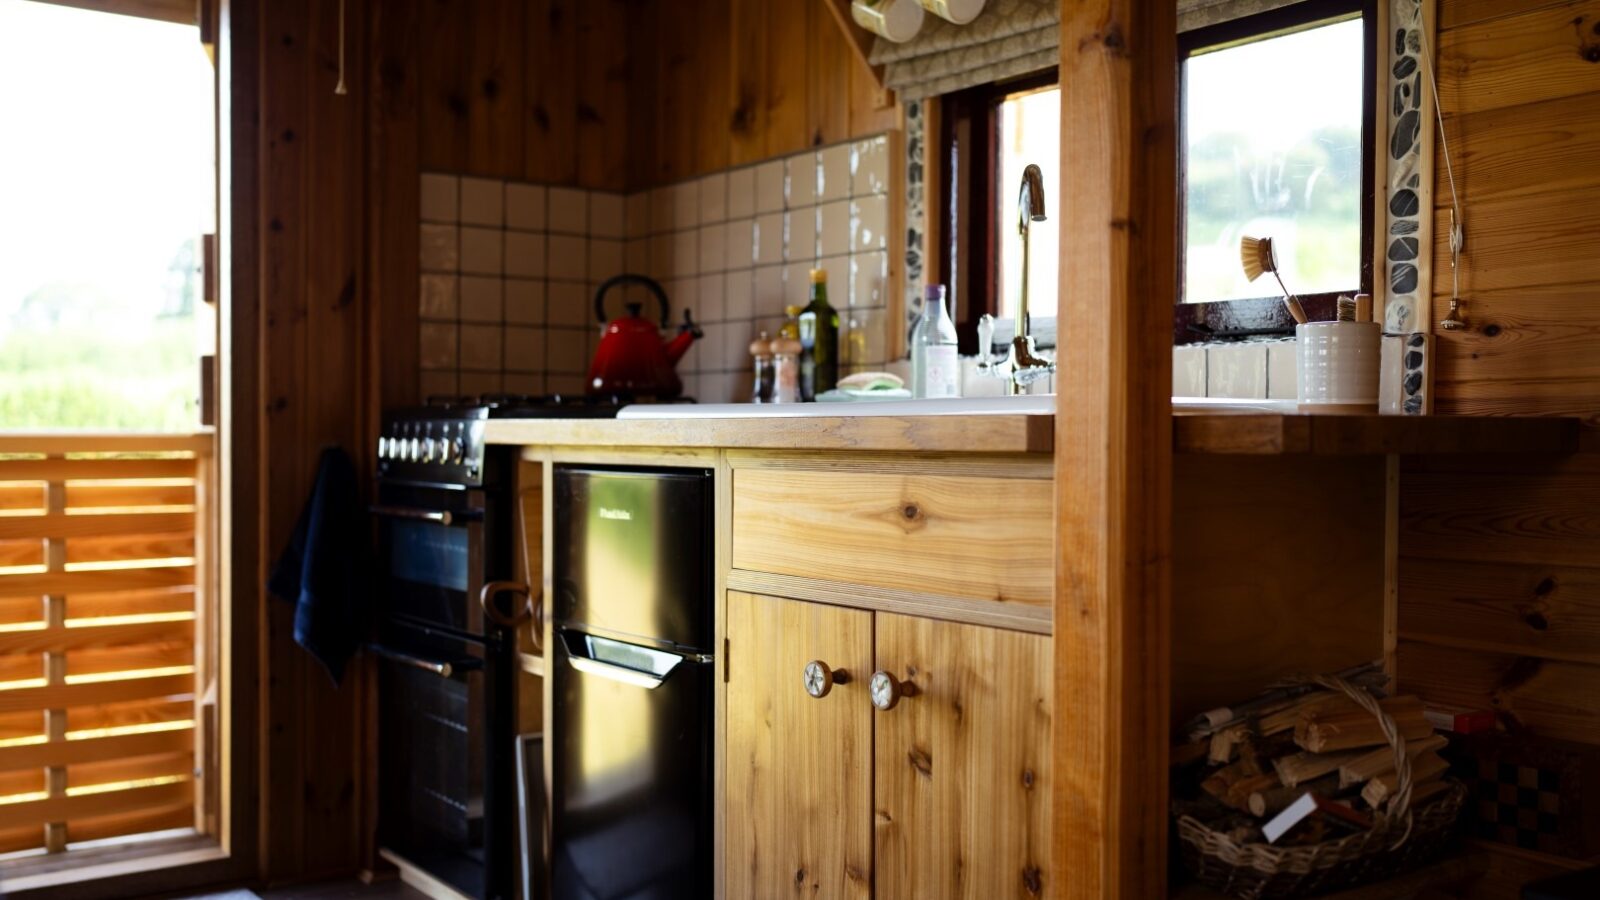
(632,664)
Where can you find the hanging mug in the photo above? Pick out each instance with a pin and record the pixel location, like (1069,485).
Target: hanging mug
(895,20)
(956,12)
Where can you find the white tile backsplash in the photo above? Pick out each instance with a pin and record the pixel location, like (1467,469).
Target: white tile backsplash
(1189,371)
(1237,371)
(1283,370)
(510,269)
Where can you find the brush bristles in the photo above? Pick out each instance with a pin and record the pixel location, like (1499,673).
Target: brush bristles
(1255,255)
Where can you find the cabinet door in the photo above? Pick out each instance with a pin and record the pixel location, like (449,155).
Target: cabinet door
(798,801)
(962,789)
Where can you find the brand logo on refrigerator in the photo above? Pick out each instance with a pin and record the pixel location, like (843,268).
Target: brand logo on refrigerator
(621,515)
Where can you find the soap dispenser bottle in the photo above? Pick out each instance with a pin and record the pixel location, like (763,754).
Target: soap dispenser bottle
(935,369)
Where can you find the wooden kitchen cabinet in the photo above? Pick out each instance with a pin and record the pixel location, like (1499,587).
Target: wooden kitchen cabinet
(798,798)
(945,794)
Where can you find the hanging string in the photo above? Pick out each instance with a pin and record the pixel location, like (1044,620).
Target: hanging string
(340,88)
(1458,235)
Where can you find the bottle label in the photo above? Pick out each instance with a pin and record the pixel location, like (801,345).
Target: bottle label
(943,378)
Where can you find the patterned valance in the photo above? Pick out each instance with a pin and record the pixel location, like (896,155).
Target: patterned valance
(1009,39)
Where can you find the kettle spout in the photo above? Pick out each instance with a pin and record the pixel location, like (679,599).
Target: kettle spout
(688,333)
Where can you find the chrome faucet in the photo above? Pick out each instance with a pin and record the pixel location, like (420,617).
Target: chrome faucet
(1026,365)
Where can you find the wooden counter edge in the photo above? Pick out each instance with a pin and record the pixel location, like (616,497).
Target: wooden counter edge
(926,434)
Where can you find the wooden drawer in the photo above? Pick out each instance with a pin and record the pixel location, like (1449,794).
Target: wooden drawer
(969,536)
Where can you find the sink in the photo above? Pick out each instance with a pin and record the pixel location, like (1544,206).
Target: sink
(1025,405)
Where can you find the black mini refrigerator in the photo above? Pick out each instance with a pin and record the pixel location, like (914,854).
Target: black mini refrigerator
(633,670)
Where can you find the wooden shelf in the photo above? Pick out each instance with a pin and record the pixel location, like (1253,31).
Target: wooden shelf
(1252,433)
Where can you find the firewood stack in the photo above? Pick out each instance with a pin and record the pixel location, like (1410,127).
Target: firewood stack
(1302,764)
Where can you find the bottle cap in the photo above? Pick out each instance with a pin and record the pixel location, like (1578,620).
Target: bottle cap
(933,292)
(819,276)
(761,346)
(792,311)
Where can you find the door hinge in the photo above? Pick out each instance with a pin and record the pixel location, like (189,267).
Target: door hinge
(724,660)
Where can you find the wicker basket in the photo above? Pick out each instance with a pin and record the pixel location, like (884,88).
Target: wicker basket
(1400,840)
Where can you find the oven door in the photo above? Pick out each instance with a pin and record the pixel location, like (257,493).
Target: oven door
(432,753)
(431,548)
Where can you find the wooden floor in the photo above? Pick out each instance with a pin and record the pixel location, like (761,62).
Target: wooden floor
(333,890)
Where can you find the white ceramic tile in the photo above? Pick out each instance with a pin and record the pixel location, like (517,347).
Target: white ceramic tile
(483,202)
(769,238)
(797,283)
(865,335)
(869,223)
(607,215)
(480,299)
(524,254)
(438,384)
(524,383)
(566,352)
(685,205)
(833,228)
(801,243)
(1390,392)
(711,299)
(605,259)
(685,253)
(480,382)
(736,338)
(738,292)
(638,214)
(718,388)
(438,345)
(769,299)
(869,277)
(636,256)
(569,384)
(741,192)
(711,352)
(1283,370)
(437,299)
(524,350)
(802,179)
(568,256)
(525,206)
(869,166)
(977,384)
(833,173)
(440,248)
(714,198)
(524,301)
(661,210)
(739,243)
(1237,371)
(480,347)
(713,248)
(569,210)
(662,248)
(839,281)
(769,186)
(482,250)
(1189,371)
(569,304)
(439,203)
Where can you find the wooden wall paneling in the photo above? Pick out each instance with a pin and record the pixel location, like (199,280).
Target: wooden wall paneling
(1528,351)
(1535,517)
(872,109)
(1528,240)
(444,98)
(708,112)
(787,85)
(1527,609)
(1549,698)
(605,76)
(284,85)
(830,63)
(1537,54)
(393,204)
(747,59)
(551,51)
(1262,587)
(1538,148)
(680,66)
(1113,459)
(1456,13)
(496,81)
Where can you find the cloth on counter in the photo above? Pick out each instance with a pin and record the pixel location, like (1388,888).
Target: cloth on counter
(325,569)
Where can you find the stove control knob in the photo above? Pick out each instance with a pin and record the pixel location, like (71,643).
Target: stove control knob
(431,449)
(458,450)
(415,453)
(383,447)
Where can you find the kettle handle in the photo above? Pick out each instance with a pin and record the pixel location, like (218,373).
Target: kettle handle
(649,283)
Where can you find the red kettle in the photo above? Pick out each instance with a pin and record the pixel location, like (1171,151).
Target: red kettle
(632,358)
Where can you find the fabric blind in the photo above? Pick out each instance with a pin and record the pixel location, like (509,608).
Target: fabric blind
(1009,39)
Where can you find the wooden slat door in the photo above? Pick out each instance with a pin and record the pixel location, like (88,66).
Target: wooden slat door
(799,780)
(962,786)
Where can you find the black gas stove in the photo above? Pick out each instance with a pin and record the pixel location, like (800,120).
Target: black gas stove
(441,442)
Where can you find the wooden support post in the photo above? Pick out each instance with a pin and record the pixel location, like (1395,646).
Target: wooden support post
(55,664)
(1113,460)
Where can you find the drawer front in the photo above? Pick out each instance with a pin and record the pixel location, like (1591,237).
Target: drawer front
(968,536)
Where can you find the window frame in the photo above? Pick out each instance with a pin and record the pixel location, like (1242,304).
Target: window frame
(968,147)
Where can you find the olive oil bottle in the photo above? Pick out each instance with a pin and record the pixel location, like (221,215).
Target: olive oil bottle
(819,341)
